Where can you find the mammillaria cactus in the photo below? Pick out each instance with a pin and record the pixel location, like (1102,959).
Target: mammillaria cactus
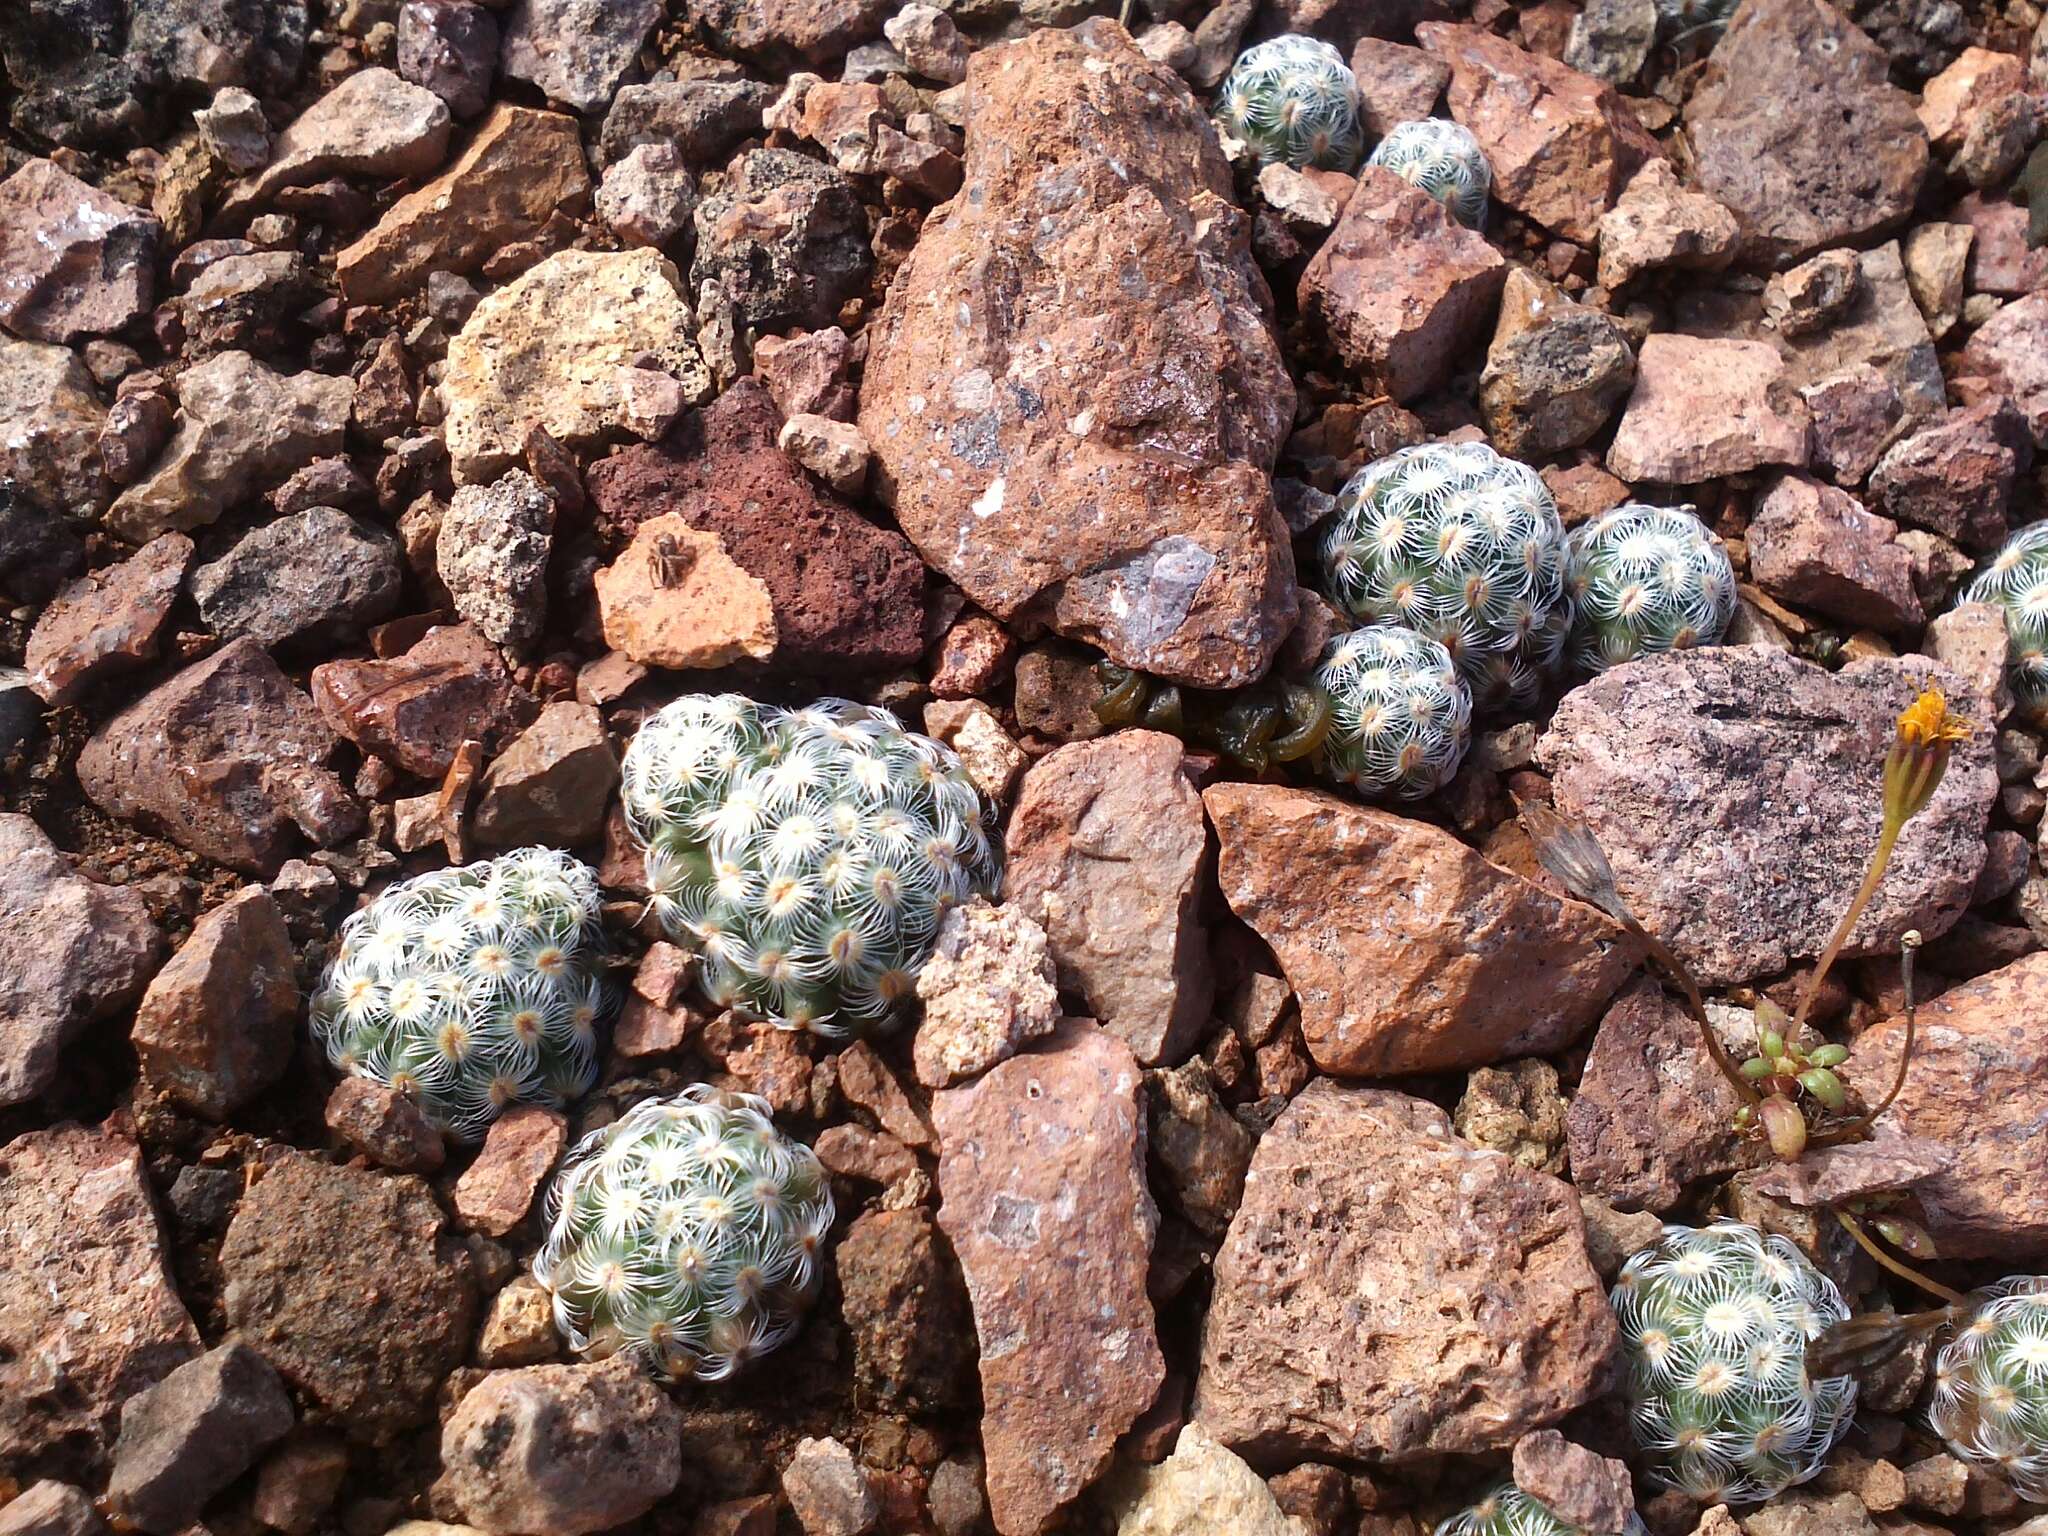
(472,989)
(687,1234)
(1294,101)
(1715,1324)
(805,855)
(1400,716)
(1442,158)
(1507,1511)
(1991,1384)
(1457,543)
(2016,580)
(1646,579)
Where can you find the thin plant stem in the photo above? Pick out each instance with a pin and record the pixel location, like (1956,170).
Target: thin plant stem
(1887,840)
(1898,1267)
(1857,1127)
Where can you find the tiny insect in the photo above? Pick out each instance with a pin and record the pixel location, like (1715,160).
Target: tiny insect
(672,561)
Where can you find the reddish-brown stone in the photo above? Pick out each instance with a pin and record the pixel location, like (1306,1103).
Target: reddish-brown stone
(106,623)
(496,1191)
(416,710)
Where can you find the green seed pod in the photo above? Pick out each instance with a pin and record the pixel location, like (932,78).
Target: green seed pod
(1444,160)
(1295,102)
(1828,1056)
(1826,1087)
(1990,1398)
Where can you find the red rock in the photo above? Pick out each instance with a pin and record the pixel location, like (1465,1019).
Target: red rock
(551,785)
(384,1125)
(781,32)
(866,1080)
(1116,485)
(74,261)
(108,623)
(2008,354)
(417,709)
(1977,1089)
(648,1029)
(907,1310)
(1401,288)
(520,169)
(1815,545)
(1956,478)
(226,758)
(845,593)
(1796,127)
(496,1191)
(1579,1486)
(1396,83)
(875,1157)
(1976,79)
(806,372)
(1042,1176)
(1736,793)
(1407,951)
(2000,261)
(1562,144)
(1109,851)
(1658,222)
(1389,1293)
(215,1027)
(972,658)
(1705,408)
(72,951)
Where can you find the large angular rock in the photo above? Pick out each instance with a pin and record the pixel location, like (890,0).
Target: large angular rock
(520,169)
(1084,449)
(846,594)
(1977,1088)
(784,239)
(1659,222)
(782,32)
(1796,127)
(1400,287)
(226,758)
(907,1311)
(1554,373)
(1815,545)
(1388,1292)
(350,1284)
(548,350)
(372,124)
(1562,144)
(241,429)
(1108,849)
(72,951)
(88,1313)
(1704,408)
(73,260)
(703,119)
(553,784)
(1042,1179)
(50,420)
(416,710)
(2008,355)
(1408,952)
(1956,478)
(1737,795)
(314,574)
(106,623)
(1202,1488)
(187,1437)
(577,51)
(676,598)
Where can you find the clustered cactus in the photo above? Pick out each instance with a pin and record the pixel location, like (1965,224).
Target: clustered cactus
(472,989)
(1646,579)
(1400,716)
(1715,1325)
(1444,160)
(1990,1398)
(805,855)
(2016,580)
(688,1234)
(1507,1511)
(1295,102)
(1457,543)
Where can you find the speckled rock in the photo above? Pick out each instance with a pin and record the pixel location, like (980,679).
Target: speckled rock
(578,52)
(784,238)
(107,623)
(314,575)
(1202,1489)
(988,988)
(50,422)
(1815,545)
(74,261)
(1555,372)
(492,556)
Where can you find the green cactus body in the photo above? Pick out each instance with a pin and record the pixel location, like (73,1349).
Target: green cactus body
(1646,579)
(1295,102)
(1442,158)
(1990,1398)
(472,989)
(1715,1322)
(1457,543)
(1507,1511)
(689,1234)
(1400,716)
(806,856)
(2016,579)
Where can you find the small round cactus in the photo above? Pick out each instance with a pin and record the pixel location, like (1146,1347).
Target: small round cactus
(2016,579)
(1443,159)
(1507,1511)
(1646,579)
(688,1234)
(472,989)
(1457,543)
(1715,1322)
(1991,1384)
(805,855)
(1400,716)
(1295,102)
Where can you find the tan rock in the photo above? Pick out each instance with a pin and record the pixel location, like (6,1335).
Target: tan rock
(988,988)
(1658,222)
(1202,1488)
(993,760)
(50,421)
(520,168)
(676,599)
(548,348)
(834,451)
(1704,408)
(519,1327)
(372,124)
(1976,79)
(1407,951)
(1389,1293)
(1936,258)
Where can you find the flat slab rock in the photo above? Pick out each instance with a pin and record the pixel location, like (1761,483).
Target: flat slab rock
(1736,792)
(1389,1292)
(1065,440)
(1044,1199)
(1407,951)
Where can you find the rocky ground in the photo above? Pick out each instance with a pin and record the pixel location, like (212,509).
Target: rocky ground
(398,403)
